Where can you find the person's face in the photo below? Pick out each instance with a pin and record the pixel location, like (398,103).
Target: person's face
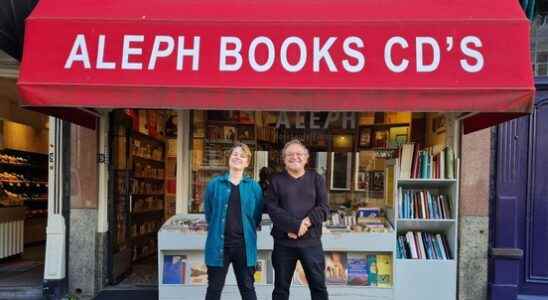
(295,158)
(238,160)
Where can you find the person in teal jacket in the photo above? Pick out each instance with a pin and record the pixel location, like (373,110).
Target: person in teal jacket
(233,205)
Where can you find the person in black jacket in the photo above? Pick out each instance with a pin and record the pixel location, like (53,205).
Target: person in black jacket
(297,204)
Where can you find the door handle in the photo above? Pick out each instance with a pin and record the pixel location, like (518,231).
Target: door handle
(511,253)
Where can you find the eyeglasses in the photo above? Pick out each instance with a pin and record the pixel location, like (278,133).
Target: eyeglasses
(297,154)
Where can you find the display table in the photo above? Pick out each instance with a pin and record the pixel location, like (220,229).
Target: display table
(12,221)
(180,250)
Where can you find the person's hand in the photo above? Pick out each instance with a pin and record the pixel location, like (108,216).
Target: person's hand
(291,235)
(305,224)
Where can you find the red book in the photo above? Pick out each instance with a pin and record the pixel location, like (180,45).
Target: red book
(415,168)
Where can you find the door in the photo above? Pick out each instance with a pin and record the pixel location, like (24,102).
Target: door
(518,264)
(120,247)
(534,279)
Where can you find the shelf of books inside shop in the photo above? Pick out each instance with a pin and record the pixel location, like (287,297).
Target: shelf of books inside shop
(147,194)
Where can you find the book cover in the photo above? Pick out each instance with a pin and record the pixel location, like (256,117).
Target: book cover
(335,268)
(357,269)
(174,271)
(441,246)
(198,270)
(260,272)
(435,248)
(446,246)
(450,165)
(372,270)
(418,238)
(384,268)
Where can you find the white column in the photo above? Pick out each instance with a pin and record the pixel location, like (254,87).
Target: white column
(55,260)
(104,155)
(183,162)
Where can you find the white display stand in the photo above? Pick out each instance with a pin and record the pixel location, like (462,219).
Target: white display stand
(421,279)
(172,241)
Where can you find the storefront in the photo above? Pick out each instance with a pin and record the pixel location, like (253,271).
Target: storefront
(355,83)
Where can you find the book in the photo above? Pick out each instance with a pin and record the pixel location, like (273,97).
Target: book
(450,163)
(372,270)
(384,270)
(420,242)
(174,271)
(335,268)
(197,270)
(357,269)
(260,272)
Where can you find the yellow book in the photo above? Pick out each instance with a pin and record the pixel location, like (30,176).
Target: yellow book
(384,271)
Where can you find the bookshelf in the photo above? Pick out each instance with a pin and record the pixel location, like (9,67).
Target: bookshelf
(431,276)
(147,192)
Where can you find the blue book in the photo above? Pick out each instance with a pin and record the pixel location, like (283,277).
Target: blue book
(358,270)
(424,171)
(430,207)
(174,270)
(437,246)
(434,210)
(406,206)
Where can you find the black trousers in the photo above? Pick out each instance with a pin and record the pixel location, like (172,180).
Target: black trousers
(244,275)
(284,261)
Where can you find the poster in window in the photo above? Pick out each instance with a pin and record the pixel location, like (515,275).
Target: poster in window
(376,184)
(365,137)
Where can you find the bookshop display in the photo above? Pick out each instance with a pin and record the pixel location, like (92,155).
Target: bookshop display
(393,195)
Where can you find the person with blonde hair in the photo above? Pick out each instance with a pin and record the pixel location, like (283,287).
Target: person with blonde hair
(233,205)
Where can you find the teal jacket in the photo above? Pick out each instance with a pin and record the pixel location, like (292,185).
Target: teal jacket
(216,199)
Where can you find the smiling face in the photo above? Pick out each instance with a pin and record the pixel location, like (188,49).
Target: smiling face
(295,158)
(238,159)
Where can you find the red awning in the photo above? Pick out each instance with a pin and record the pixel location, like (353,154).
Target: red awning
(349,55)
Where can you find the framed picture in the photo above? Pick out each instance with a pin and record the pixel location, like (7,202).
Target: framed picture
(376,184)
(341,171)
(246,133)
(214,132)
(365,137)
(229,133)
(380,138)
(361,176)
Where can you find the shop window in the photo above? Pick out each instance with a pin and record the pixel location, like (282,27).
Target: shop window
(351,150)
